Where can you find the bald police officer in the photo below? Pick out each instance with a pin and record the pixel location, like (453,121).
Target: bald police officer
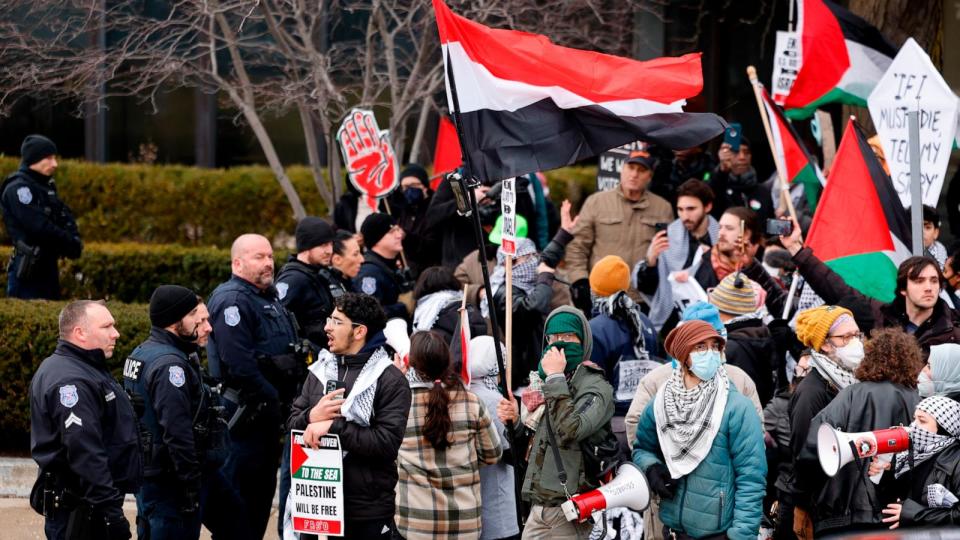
(40,225)
(253,352)
(83,431)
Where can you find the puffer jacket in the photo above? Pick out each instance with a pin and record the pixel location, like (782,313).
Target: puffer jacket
(580,408)
(724,494)
(750,347)
(849,500)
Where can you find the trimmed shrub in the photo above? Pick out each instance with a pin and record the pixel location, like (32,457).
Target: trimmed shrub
(30,335)
(176,204)
(130,272)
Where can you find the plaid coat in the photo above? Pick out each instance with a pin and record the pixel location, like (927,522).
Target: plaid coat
(438,495)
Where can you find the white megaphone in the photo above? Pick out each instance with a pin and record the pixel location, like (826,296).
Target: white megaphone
(628,489)
(836,448)
(397,337)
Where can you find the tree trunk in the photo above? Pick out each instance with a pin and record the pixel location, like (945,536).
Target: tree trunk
(313,154)
(421,129)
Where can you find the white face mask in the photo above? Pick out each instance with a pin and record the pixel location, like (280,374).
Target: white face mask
(850,355)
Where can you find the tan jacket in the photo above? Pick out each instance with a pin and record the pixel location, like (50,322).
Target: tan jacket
(611,225)
(651,382)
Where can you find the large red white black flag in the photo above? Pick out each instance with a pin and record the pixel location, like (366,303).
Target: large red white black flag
(528,105)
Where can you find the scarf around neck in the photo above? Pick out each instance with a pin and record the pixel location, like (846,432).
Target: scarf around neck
(688,419)
(926,445)
(429,308)
(358,405)
(831,371)
(671,260)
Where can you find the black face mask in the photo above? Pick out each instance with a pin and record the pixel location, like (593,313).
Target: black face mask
(414,196)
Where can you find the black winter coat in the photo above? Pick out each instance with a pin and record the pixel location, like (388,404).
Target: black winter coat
(850,500)
(750,347)
(370,466)
(809,398)
(941,327)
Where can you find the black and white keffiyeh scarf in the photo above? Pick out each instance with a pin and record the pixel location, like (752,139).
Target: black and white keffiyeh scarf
(429,308)
(688,419)
(619,306)
(524,274)
(831,371)
(671,260)
(926,445)
(358,405)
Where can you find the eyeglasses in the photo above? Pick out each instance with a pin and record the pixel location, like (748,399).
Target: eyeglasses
(703,347)
(566,336)
(845,339)
(338,322)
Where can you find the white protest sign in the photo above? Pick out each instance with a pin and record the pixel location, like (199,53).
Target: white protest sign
(912,83)
(611,163)
(786,65)
(508,207)
(316,490)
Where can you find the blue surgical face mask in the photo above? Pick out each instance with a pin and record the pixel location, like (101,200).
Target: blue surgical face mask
(705,364)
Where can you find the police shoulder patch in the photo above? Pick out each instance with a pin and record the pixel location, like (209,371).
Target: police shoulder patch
(177,377)
(368,285)
(231,316)
(25,195)
(282,290)
(69,395)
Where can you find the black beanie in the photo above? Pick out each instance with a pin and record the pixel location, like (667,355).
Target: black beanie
(312,232)
(417,172)
(375,227)
(170,303)
(36,148)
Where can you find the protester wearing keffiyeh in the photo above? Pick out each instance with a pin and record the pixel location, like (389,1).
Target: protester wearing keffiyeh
(925,443)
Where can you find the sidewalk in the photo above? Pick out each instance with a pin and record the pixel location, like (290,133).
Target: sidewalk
(19,522)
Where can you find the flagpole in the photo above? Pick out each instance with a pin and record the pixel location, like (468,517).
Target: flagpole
(781,174)
(506,390)
(508,329)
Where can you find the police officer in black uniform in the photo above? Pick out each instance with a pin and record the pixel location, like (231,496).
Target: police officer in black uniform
(181,425)
(380,275)
(253,350)
(40,225)
(83,431)
(304,283)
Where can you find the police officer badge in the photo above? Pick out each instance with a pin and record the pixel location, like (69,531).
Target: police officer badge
(69,396)
(177,377)
(25,195)
(282,290)
(231,316)
(368,285)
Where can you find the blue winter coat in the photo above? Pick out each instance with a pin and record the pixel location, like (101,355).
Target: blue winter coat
(724,494)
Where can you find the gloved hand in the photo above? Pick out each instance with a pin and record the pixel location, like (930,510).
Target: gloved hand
(580,294)
(118,528)
(661,482)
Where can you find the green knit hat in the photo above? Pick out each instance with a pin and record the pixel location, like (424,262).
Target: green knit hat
(563,323)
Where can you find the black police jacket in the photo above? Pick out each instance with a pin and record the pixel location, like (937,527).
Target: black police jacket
(163,373)
(248,324)
(33,214)
(379,278)
(307,293)
(83,428)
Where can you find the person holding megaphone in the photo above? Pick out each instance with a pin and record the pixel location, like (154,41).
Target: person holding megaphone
(930,469)
(700,444)
(885,396)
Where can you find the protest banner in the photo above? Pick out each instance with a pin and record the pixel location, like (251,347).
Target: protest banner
(786,65)
(371,163)
(912,83)
(508,207)
(316,489)
(611,162)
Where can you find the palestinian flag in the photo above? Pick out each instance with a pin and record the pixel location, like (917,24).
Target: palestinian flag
(464,346)
(842,58)
(800,165)
(527,105)
(860,229)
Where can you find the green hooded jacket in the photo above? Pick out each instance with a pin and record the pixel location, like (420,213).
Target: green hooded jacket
(580,408)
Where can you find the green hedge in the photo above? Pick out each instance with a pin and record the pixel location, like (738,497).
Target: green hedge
(130,272)
(175,204)
(30,335)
